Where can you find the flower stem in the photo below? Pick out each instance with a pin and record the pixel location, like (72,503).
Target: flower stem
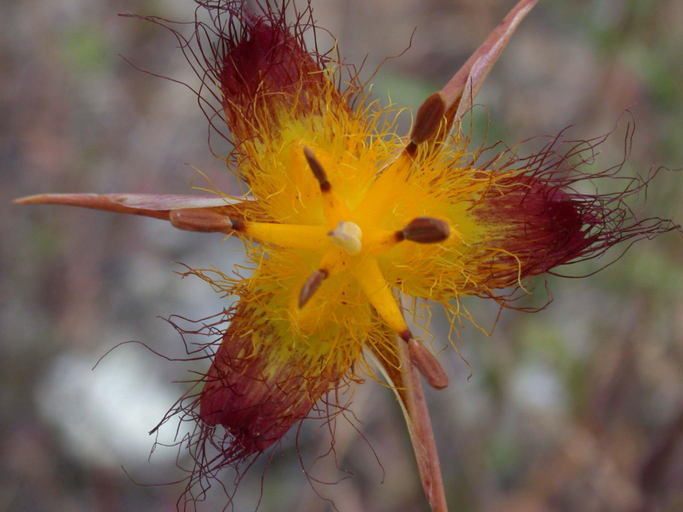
(421,433)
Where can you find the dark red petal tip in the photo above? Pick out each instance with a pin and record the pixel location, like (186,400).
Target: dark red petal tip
(264,68)
(538,219)
(254,403)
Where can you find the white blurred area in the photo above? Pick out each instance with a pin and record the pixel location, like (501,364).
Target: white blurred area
(104,414)
(104,411)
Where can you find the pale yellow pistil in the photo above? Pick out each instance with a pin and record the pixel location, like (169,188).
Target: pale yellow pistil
(348,236)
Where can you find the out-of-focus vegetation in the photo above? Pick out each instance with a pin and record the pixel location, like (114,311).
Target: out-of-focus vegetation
(576,408)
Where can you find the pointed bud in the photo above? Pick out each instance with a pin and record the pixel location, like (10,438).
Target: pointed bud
(425,230)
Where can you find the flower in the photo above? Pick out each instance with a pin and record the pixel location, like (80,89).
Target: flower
(341,216)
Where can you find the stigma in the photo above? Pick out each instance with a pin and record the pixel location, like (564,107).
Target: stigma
(347,235)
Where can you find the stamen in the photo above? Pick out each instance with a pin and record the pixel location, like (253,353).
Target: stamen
(380,240)
(335,208)
(317,169)
(348,236)
(425,230)
(427,364)
(377,290)
(431,114)
(428,119)
(203,220)
(295,236)
(311,286)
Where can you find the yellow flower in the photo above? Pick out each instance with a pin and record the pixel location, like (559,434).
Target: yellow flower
(341,215)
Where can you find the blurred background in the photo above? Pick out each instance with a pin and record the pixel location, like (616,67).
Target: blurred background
(576,408)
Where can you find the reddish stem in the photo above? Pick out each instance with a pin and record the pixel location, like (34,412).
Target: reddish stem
(421,433)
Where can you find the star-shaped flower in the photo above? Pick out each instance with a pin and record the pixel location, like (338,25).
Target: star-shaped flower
(341,216)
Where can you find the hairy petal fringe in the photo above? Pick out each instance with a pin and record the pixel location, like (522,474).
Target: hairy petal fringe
(256,406)
(545,219)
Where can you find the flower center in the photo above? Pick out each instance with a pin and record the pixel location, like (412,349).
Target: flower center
(347,235)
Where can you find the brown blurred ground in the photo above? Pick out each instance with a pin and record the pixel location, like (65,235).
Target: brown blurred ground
(569,409)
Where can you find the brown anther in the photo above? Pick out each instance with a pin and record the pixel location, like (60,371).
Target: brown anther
(311,286)
(427,365)
(406,335)
(317,169)
(202,219)
(237,225)
(411,149)
(425,230)
(428,119)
